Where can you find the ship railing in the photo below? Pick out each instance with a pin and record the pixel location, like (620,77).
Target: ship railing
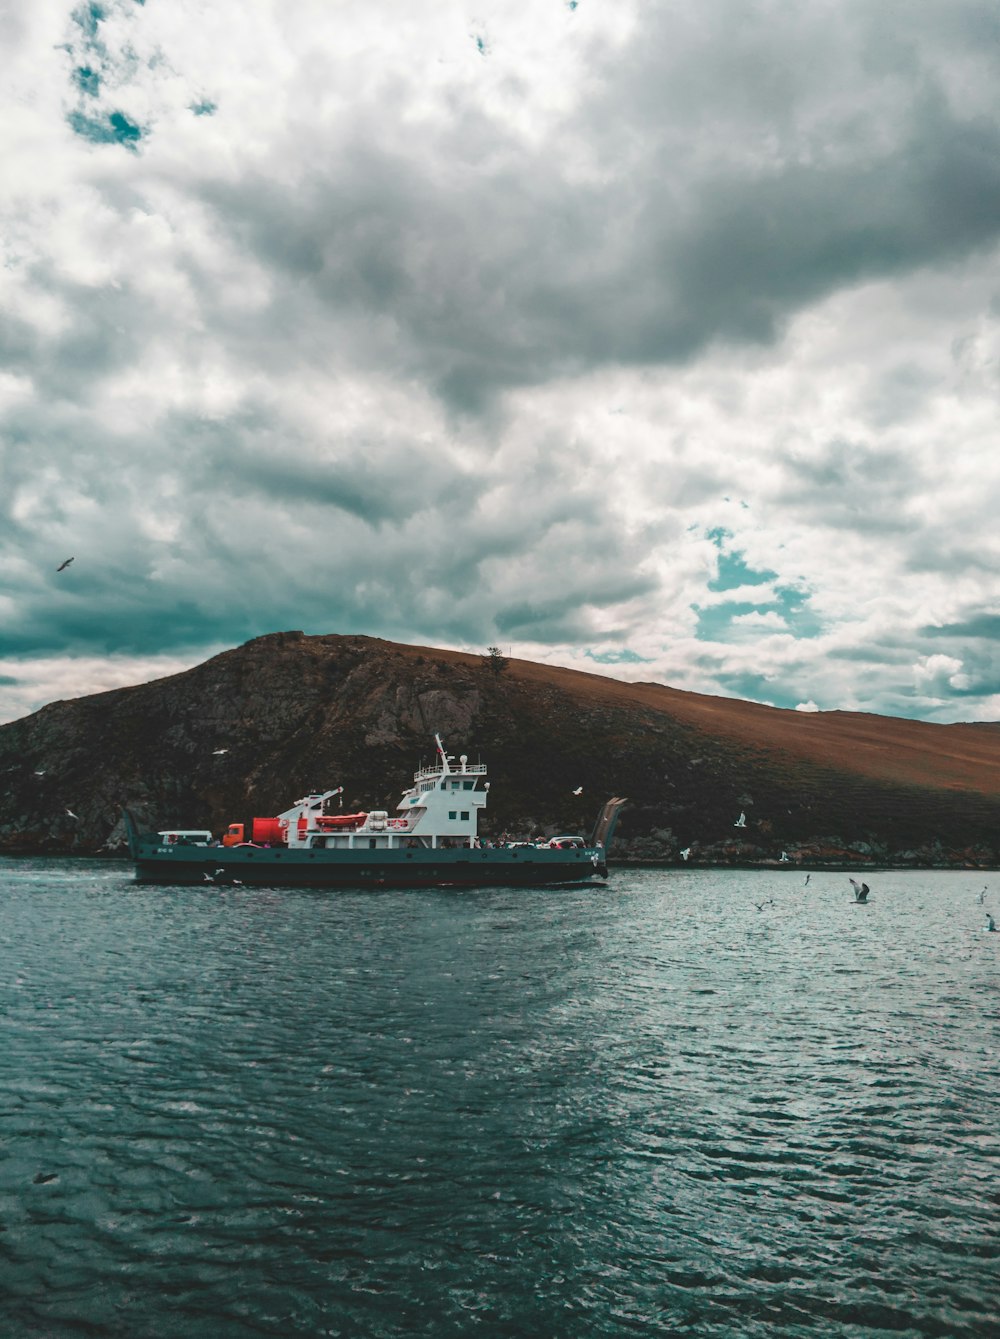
(437,769)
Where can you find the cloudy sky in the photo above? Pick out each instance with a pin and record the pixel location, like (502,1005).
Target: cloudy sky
(646,337)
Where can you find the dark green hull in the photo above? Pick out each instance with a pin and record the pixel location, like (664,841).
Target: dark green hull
(273,868)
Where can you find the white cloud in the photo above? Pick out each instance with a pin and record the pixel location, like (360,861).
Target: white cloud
(365,330)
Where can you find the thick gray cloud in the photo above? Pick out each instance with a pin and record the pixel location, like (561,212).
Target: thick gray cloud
(736,175)
(662,338)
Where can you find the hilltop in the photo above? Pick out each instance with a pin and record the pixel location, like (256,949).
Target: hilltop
(251,729)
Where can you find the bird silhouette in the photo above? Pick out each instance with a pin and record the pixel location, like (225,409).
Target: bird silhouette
(63,565)
(861,890)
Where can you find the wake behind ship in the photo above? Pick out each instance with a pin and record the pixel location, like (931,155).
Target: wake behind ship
(432,840)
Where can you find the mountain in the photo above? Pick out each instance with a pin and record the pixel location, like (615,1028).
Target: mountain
(250,730)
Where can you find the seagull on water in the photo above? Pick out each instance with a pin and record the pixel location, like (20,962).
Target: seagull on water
(861,891)
(806,884)
(982,895)
(62,566)
(990,922)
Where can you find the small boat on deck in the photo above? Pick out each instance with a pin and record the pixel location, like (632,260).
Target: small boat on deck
(431,840)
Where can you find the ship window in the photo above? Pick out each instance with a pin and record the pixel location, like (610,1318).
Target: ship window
(465,814)
(452,813)
(372,842)
(468,785)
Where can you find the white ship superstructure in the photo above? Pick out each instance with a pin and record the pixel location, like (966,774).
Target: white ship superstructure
(440,810)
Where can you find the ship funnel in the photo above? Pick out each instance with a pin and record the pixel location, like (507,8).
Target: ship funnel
(604,829)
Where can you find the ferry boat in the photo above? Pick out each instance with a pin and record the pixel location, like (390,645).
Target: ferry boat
(431,840)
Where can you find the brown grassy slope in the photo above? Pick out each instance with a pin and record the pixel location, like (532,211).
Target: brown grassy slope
(882,748)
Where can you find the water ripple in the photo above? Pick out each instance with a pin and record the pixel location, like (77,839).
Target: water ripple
(648,1109)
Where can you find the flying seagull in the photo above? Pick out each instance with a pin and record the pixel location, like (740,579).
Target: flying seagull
(578,791)
(808,877)
(62,566)
(741,822)
(71,813)
(42,773)
(685,853)
(217,752)
(861,891)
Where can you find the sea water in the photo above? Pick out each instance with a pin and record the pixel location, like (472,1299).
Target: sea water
(682,1102)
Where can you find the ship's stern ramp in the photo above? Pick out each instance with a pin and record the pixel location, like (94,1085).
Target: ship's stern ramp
(607,819)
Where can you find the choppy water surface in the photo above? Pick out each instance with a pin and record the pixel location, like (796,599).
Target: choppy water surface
(641,1109)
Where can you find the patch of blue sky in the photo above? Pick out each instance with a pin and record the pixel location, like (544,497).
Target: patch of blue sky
(87,80)
(800,618)
(787,607)
(624,657)
(733,571)
(114,128)
(715,621)
(89,17)
(757,688)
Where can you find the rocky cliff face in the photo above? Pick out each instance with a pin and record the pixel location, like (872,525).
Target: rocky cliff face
(249,731)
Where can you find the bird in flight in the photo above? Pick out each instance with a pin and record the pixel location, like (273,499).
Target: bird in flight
(62,566)
(71,813)
(217,752)
(861,890)
(741,822)
(578,791)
